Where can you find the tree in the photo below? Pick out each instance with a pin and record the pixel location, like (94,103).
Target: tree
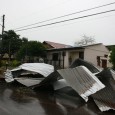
(24,41)
(86,40)
(11,43)
(112,57)
(31,49)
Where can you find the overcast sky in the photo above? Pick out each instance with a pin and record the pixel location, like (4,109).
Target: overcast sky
(19,13)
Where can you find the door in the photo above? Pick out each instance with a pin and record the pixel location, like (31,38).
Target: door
(104,63)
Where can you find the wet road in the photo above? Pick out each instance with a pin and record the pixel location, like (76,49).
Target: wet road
(24,101)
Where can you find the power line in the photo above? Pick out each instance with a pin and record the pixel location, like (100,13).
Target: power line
(89,20)
(68,14)
(68,20)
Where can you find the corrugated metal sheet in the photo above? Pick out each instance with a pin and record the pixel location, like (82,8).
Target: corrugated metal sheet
(81,80)
(90,66)
(60,84)
(113,74)
(28,81)
(49,80)
(105,98)
(8,76)
(41,68)
(102,106)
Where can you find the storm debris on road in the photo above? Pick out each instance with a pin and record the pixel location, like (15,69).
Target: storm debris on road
(82,79)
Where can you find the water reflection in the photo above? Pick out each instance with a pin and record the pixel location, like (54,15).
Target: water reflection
(24,101)
(16,102)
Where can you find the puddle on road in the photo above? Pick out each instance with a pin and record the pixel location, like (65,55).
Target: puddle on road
(24,101)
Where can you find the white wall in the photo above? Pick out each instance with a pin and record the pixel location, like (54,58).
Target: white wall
(91,53)
(74,55)
(66,62)
(49,57)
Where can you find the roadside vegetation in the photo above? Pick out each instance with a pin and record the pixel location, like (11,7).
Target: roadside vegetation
(112,57)
(15,50)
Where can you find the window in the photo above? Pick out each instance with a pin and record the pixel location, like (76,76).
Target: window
(98,60)
(55,56)
(81,55)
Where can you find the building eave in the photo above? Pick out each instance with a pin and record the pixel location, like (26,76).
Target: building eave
(65,49)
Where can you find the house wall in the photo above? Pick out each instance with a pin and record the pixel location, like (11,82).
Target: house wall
(60,56)
(66,62)
(91,53)
(73,55)
(49,56)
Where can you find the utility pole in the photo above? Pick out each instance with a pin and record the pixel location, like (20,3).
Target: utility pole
(3,19)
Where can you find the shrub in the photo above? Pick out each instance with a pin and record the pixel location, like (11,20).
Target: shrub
(15,63)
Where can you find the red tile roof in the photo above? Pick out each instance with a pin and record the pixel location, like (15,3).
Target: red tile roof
(56,45)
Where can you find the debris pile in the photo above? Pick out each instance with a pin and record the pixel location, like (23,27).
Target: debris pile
(29,74)
(81,79)
(105,98)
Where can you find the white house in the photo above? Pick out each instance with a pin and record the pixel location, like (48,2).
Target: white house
(62,57)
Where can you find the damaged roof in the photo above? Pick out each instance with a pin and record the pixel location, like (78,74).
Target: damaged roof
(82,81)
(80,62)
(82,78)
(42,68)
(105,98)
(56,45)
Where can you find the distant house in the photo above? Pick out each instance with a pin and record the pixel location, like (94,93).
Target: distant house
(61,56)
(52,45)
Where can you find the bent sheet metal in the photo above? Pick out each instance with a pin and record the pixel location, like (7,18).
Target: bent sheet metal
(82,81)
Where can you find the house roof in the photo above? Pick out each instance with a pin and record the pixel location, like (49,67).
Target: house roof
(64,49)
(91,44)
(56,45)
(72,48)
